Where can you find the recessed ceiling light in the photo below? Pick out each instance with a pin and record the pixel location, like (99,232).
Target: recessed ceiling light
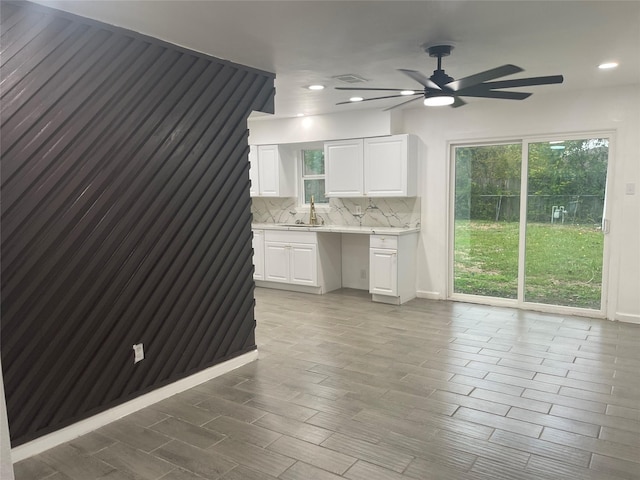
(300,115)
(316,87)
(607,66)
(407,92)
(356,99)
(438,101)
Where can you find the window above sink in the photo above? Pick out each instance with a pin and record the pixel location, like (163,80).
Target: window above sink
(312,177)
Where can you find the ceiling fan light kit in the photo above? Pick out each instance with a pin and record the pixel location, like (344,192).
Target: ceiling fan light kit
(438,100)
(441,89)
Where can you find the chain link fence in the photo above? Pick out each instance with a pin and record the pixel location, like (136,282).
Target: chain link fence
(568,209)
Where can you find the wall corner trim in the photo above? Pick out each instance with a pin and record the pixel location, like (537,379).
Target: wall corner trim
(83,427)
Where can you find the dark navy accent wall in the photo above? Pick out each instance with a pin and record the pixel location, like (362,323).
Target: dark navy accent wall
(125,214)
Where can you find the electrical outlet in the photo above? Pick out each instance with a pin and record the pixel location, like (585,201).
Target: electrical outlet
(358,210)
(363,274)
(630,189)
(138,353)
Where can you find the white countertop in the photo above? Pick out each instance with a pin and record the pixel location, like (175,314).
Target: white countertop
(337,229)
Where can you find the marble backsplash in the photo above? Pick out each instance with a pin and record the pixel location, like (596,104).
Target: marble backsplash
(375,212)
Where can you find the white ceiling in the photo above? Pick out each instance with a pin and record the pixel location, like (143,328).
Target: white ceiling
(306,42)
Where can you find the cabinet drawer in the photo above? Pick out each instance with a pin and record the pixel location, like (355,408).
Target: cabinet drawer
(287,236)
(384,241)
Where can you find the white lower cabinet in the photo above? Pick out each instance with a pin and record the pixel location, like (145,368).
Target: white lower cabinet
(276,262)
(383,271)
(258,254)
(303,266)
(392,267)
(303,259)
(312,262)
(294,263)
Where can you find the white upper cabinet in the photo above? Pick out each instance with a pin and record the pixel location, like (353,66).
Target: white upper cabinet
(254,190)
(268,170)
(390,166)
(343,164)
(274,171)
(372,167)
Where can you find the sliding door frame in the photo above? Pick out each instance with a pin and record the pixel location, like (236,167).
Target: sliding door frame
(525,141)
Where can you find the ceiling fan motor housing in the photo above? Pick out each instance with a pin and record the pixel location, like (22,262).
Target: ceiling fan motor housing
(440,78)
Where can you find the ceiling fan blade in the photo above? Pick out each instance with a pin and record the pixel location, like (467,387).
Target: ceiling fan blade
(458,102)
(478,78)
(403,103)
(380,89)
(378,98)
(481,93)
(524,82)
(420,78)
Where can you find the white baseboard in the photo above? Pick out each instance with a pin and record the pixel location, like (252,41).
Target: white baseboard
(627,317)
(389,300)
(430,295)
(82,427)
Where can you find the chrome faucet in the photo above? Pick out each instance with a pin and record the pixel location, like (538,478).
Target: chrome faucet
(313,220)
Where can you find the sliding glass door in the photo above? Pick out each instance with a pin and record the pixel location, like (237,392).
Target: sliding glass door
(528,222)
(487,216)
(564,241)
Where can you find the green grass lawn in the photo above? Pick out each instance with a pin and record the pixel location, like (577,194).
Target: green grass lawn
(563,265)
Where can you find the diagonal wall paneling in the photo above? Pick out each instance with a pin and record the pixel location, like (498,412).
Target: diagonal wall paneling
(125,214)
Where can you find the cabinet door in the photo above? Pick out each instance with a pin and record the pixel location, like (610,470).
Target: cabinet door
(385,166)
(268,170)
(258,254)
(383,271)
(254,189)
(303,267)
(343,163)
(276,262)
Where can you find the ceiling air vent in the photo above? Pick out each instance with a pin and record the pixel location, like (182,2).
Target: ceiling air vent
(350,78)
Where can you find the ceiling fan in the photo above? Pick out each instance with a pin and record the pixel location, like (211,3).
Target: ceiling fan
(441,89)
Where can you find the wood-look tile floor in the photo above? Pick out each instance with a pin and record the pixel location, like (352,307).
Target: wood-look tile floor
(347,388)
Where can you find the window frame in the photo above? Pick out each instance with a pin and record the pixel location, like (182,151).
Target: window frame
(302,177)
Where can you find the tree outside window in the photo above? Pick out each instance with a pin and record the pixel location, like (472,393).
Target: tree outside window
(313,177)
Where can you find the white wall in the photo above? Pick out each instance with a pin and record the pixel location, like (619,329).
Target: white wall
(616,111)
(559,113)
(355,259)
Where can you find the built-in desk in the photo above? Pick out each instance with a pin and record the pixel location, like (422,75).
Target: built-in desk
(309,259)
